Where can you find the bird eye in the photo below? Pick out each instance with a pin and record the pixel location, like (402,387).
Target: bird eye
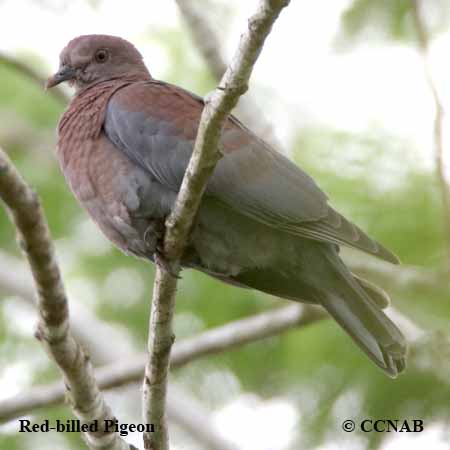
(101,56)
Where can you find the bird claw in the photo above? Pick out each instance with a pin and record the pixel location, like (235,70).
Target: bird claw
(154,232)
(154,238)
(165,265)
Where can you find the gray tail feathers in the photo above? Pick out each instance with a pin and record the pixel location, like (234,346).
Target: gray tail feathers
(362,318)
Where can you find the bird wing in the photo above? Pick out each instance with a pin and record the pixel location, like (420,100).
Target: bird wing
(155,125)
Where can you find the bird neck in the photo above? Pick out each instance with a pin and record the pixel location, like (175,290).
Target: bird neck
(85,114)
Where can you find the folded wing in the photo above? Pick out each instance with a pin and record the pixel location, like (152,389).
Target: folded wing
(155,125)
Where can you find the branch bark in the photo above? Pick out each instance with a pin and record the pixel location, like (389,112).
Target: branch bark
(130,369)
(53,328)
(208,44)
(204,158)
(88,330)
(424,43)
(97,335)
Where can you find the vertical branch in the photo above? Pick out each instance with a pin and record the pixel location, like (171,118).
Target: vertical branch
(160,340)
(423,40)
(204,158)
(53,328)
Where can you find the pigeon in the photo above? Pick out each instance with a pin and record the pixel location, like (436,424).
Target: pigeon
(124,144)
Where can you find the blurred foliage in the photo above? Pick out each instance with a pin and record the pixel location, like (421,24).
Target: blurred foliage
(386,193)
(393,20)
(190,70)
(372,177)
(388,190)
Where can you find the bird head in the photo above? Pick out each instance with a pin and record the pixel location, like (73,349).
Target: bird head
(90,59)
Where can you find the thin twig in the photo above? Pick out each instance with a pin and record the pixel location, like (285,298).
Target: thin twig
(53,329)
(130,369)
(424,43)
(26,70)
(205,156)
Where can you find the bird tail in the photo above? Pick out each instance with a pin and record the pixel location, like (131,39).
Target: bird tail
(351,305)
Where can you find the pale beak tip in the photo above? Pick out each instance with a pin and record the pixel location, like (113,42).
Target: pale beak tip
(49,83)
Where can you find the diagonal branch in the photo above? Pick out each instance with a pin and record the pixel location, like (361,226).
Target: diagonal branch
(53,329)
(97,335)
(89,331)
(130,369)
(204,158)
(207,42)
(444,188)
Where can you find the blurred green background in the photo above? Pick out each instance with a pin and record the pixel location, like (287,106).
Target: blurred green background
(292,391)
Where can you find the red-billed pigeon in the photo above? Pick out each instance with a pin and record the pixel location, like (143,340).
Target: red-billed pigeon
(124,145)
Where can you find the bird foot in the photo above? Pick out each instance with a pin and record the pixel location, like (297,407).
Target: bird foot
(154,234)
(161,262)
(154,238)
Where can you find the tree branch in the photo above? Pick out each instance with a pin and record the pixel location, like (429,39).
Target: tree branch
(53,329)
(205,156)
(206,41)
(130,369)
(88,330)
(444,189)
(97,336)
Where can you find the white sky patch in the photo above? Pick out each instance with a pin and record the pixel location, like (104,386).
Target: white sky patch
(434,437)
(24,314)
(14,378)
(254,424)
